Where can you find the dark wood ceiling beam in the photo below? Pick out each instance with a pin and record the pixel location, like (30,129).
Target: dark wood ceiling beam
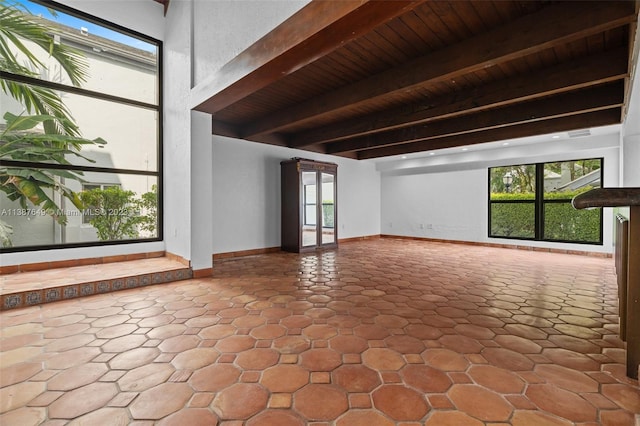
(311,33)
(221,128)
(572,103)
(555,25)
(580,73)
(563,124)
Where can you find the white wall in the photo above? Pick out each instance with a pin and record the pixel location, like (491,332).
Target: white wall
(436,205)
(201,191)
(232,26)
(143,16)
(630,152)
(448,196)
(246,195)
(177,130)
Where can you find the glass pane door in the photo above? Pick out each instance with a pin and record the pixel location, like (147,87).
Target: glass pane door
(328,209)
(310,207)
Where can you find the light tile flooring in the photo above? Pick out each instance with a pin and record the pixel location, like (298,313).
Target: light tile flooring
(381,332)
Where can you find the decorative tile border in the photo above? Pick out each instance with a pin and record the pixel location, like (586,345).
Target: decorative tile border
(38,297)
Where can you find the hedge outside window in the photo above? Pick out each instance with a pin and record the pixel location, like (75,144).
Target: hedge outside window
(533,201)
(80,112)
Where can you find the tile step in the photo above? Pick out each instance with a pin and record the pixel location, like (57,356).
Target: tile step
(25,289)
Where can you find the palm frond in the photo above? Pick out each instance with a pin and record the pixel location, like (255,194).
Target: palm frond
(16,24)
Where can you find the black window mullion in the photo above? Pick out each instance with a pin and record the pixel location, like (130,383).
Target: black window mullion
(539,200)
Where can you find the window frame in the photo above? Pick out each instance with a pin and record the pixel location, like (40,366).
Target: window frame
(156,107)
(540,203)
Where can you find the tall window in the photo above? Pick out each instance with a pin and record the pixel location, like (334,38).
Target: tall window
(80,130)
(533,201)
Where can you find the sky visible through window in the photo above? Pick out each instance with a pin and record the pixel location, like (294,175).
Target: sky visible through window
(73,22)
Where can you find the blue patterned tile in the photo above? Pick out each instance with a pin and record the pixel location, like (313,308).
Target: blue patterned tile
(87,289)
(12,301)
(52,294)
(33,298)
(145,279)
(70,292)
(132,282)
(157,278)
(103,287)
(117,284)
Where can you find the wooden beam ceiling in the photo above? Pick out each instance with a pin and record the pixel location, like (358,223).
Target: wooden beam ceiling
(578,74)
(365,79)
(318,30)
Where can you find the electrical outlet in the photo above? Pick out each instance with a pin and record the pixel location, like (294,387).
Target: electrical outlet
(422,226)
(429,226)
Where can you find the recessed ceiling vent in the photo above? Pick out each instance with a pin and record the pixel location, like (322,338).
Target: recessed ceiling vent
(579,133)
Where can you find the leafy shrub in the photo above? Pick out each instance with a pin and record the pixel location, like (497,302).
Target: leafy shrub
(561,221)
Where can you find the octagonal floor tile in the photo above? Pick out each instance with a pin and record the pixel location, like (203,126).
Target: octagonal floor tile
(626,396)
(291,344)
(532,418)
(160,401)
(18,373)
(348,344)
(133,358)
(405,344)
(77,376)
(356,378)
(562,403)
(179,343)
(425,378)
(461,344)
(320,359)
(235,344)
(276,418)
(379,332)
(400,403)
(480,403)
(191,417)
(445,359)
(507,359)
(93,397)
(19,394)
(321,402)
(566,378)
(145,377)
(383,359)
(257,359)
(364,418)
(240,401)
(453,418)
(285,378)
(571,359)
(103,416)
(497,379)
(214,378)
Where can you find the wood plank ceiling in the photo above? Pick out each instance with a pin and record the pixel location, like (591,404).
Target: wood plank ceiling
(368,79)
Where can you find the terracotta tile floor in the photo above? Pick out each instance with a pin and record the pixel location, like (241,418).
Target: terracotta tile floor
(381,332)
